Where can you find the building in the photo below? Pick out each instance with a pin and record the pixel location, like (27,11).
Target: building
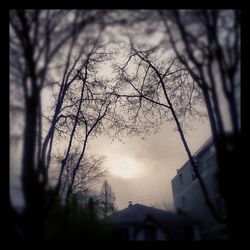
(138,222)
(188,197)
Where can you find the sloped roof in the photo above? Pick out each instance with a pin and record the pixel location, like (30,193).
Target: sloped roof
(137,213)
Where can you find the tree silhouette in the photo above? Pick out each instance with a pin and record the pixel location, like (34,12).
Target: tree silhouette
(37,39)
(210,51)
(106,200)
(89,172)
(43,43)
(207,45)
(157,89)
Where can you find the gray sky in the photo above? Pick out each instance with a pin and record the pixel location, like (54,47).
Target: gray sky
(141,170)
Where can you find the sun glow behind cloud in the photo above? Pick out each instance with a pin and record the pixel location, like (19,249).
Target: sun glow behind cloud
(126,168)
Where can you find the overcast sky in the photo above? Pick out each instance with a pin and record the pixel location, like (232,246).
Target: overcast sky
(141,170)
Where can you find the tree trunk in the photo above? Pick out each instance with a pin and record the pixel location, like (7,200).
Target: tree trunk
(32,189)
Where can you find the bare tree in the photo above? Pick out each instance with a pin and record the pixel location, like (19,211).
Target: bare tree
(36,41)
(207,44)
(33,49)
(85,104)
(89,172)
(106,200)
(163,87)
(209,47)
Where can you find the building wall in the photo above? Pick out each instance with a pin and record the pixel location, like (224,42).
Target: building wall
(188,195)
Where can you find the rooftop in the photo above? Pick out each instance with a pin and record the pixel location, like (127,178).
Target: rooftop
(137,213)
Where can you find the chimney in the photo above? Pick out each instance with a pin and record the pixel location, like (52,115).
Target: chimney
(130,204)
